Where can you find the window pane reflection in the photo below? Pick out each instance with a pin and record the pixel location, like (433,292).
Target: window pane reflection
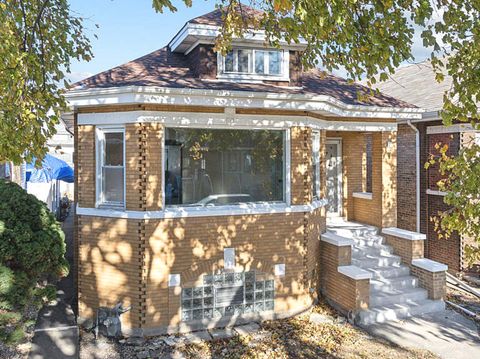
(217,167)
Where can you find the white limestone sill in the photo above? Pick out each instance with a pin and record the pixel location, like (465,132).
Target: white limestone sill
(203,211)
(363,195)
(403,233)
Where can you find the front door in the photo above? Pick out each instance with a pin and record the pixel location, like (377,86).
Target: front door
(334,177)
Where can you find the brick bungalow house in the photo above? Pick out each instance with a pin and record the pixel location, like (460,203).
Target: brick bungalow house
(204,184)
(416,84)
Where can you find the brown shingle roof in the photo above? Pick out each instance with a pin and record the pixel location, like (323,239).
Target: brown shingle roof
(163,68)
(214,17)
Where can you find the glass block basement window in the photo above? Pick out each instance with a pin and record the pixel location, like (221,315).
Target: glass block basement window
(228,294)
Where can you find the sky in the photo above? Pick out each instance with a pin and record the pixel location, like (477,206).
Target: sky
(129,29)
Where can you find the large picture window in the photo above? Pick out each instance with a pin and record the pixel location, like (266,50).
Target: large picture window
(110,167)
(254,62)
(220,167)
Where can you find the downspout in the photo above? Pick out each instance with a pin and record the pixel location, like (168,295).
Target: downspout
(417,182)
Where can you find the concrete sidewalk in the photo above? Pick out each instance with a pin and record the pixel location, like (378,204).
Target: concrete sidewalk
(447,334)
(56,331)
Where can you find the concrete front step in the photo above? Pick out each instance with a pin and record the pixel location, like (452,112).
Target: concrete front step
(385,298)
(368,241)
(381,249)
(389,272)
(370,261)
(398,311)
(354,231)
(389,284)
(394,293)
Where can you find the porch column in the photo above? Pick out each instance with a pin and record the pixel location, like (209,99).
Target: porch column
(301,165)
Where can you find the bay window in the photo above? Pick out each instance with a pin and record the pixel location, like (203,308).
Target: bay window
(256,62)
(110,166)
(205,167)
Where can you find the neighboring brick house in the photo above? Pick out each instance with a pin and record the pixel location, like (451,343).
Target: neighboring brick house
(202,179)
(416,84)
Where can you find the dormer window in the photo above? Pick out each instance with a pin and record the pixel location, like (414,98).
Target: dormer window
(254,64)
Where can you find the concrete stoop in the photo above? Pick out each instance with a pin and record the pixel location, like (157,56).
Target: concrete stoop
(394,292)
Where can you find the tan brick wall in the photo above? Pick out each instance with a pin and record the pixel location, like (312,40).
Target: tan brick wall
(381,209)
(110,262)
(143,153)
(365,210)
(85,166)
(193,247)
(315,225)
(434,283)
(153,166)
(135,162)
(407,249)
(301,165)
(389,179)
(130,260)
(346,293)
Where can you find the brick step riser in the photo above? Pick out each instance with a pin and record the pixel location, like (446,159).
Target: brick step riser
(392,284)
(371,317)
(379,301)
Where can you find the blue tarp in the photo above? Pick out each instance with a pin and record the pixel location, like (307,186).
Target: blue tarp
(52,169)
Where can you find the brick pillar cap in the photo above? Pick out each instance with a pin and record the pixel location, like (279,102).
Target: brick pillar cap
(403,233)
(429,265)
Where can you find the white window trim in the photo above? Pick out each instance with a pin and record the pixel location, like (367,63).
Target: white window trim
(339,142)
(99,146)
(436,192)
(363,195)
(316,138)
(178,210)
(251,76)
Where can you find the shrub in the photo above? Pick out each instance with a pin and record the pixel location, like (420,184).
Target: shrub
(16,288)
(46,294)
(31,240)
(14,336)
(7,318)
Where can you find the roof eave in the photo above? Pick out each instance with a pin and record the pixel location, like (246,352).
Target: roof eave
(323,104)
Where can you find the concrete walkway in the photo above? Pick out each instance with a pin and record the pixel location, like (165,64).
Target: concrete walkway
(445,333)
(56,331)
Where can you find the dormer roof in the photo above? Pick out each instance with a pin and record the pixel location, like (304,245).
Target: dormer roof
(205,29)
(214,18)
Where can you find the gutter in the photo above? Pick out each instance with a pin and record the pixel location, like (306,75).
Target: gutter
(417,182)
